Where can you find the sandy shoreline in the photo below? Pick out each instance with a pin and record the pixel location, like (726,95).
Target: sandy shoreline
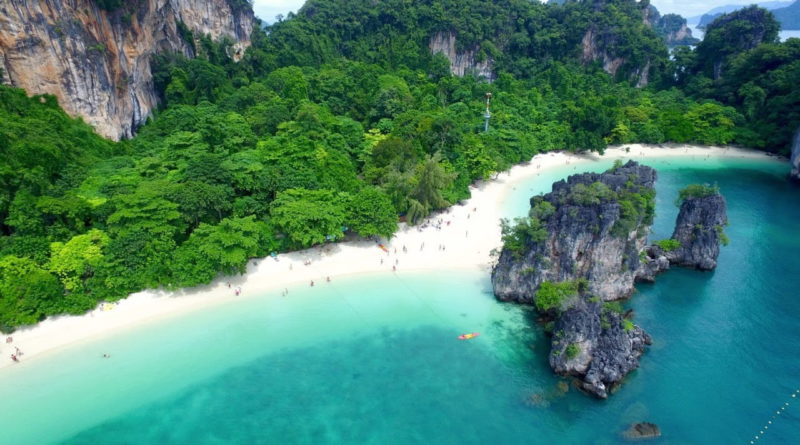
(468,232)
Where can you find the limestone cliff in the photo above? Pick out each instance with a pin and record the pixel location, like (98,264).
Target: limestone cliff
(596,229)
(97,62)
(464,62)
(605,346)
(589,230)
(671,27)
(699,230)
(697,237)
(582,245)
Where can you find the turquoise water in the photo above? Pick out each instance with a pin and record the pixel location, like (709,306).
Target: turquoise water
(374,359)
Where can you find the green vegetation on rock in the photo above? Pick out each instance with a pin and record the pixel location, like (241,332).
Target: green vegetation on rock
(627,325)
(668,245)
(552,296)
(519,234)
(572,351)
(692,191)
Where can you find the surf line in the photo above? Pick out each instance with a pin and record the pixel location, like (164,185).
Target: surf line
(778,412)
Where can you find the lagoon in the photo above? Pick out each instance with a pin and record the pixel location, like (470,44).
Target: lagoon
(374,359)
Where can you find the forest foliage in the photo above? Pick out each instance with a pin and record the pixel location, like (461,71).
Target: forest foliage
(337,121)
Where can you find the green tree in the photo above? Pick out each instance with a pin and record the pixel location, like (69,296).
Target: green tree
(75,260)
(431,179)
(225,247)
(370,212)
(27,292)
(308,217)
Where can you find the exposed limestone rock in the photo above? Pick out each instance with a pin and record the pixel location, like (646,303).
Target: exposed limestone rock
(583,240)
(654,262)
(461,63)
(699,230)
(795,159)
(590,227)
(583,245)
(96,62)
(593,50)
(607,350)
(671,27)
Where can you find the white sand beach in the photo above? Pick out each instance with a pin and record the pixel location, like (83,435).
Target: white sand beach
(468,232)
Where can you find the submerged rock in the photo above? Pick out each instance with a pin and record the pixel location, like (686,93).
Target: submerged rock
(643,430)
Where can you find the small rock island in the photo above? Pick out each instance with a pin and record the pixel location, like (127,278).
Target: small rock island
(582,248)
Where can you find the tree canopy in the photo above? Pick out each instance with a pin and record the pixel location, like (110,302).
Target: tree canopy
(339,121)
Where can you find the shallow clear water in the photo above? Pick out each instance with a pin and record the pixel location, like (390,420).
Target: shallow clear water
(374,359)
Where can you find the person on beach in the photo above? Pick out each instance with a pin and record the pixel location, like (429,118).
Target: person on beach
(312,283)
(394,268)
(106,356)
(228,284)
(9,339)
(14,357)
(328,279)
(19,353)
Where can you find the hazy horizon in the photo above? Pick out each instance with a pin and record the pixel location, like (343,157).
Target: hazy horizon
(268,9)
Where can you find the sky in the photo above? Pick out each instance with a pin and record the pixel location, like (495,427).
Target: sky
(268,9)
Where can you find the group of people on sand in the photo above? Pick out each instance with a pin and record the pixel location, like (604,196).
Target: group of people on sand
(328,279)
(237,291)
(17,352)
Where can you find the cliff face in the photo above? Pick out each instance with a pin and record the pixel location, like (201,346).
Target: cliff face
(606,348)
(461,63)
(594,226)
(587,237)
(583,244)
(698,232)
(671,27)
(97,62)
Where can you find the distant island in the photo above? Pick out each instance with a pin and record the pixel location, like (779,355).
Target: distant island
(786,13)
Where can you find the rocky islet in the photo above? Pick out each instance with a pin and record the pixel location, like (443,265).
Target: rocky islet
(584,246)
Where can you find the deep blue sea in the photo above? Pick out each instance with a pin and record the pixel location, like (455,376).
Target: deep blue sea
(375,360)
